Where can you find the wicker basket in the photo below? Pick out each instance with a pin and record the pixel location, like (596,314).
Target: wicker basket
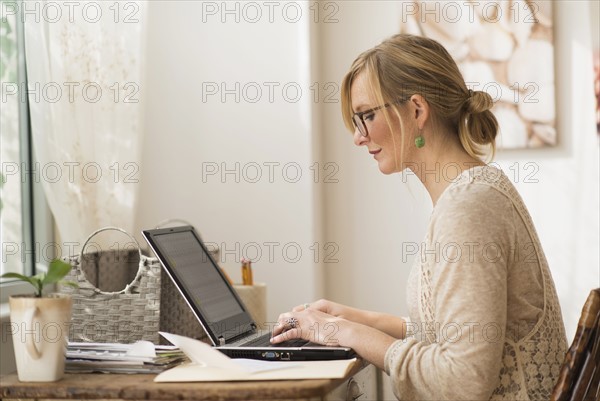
(122,315)
(124,296)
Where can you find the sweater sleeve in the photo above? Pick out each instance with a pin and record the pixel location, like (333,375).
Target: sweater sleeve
(470,233)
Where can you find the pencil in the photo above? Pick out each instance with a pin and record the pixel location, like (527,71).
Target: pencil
(247,272)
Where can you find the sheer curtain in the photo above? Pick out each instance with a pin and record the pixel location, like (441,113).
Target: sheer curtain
(84,77)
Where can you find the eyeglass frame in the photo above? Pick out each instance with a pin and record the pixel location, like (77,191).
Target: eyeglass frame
(360,115)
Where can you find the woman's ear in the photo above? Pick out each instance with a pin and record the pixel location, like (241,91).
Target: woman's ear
(419,110)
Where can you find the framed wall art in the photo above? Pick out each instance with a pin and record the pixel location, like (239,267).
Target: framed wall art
(505,48)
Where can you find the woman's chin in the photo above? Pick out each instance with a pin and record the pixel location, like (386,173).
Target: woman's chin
(386,169)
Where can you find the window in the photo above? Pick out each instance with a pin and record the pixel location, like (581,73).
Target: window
(14,153)
(21,198)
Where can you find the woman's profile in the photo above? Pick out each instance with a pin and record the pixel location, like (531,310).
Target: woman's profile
(484,319)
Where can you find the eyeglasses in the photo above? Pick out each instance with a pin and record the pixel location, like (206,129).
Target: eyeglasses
(359,118)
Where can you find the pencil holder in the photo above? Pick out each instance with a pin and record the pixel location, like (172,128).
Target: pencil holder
(255,298)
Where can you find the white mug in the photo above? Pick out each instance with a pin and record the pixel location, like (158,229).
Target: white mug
(40,329)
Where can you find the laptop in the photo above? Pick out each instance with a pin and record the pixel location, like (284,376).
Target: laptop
(216,305)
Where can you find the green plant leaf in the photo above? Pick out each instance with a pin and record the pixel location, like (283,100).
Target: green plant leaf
(38,282)
(39,277)
(31,280)
(57,270)
(16,275)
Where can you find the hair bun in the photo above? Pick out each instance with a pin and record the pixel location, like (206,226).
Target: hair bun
(478,102)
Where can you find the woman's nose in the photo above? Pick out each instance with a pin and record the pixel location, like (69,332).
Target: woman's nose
(359,139)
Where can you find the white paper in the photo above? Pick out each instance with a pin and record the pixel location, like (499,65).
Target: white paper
(208,364)
(203,354)
(143,349)
(191,372)
(200,353)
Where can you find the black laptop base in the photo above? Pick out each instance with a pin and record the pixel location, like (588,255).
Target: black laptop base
(287,354)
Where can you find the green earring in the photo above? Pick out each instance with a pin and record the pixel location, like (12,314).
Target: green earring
(419,141)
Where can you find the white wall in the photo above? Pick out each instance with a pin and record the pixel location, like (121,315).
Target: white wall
(188,131)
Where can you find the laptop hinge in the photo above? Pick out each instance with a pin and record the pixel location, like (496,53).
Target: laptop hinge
(221,341)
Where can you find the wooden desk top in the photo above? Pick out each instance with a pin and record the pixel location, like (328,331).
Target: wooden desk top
(141,387)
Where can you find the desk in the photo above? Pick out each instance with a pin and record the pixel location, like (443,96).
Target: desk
(360,384)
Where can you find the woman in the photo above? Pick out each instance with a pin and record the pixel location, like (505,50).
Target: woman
(485,323)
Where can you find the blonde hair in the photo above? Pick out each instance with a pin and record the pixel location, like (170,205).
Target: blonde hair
(403,65)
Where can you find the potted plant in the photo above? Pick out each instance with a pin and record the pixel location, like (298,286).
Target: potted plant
(40,325)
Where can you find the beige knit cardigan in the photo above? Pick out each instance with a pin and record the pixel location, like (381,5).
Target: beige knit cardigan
(485,322)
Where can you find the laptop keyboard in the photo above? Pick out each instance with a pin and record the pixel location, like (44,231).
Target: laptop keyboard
(264,341)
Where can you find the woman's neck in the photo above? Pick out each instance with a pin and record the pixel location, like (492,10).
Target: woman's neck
(440,165)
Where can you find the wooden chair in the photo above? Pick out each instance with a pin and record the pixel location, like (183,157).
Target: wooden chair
(579,378)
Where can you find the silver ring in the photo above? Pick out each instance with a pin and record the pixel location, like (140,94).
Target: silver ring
(292,322)
(306,306)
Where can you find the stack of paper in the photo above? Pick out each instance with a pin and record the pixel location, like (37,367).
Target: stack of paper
(140,357)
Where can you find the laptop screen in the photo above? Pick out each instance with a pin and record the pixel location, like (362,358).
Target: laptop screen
(197,273)
(200,281)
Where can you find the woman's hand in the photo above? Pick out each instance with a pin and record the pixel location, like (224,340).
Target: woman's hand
(313,325)
(331,308)
(392,325)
